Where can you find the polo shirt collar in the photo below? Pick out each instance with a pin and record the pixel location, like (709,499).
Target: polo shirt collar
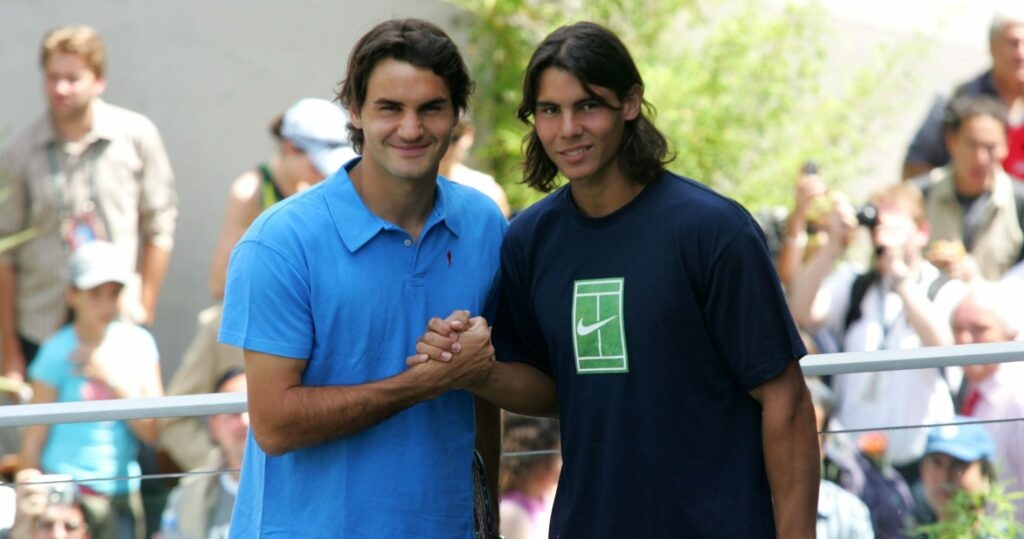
(357,225)
(103,126)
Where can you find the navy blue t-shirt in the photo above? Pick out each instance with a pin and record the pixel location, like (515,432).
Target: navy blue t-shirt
(655,322)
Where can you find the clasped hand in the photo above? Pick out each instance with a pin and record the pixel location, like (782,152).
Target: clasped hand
(456,351)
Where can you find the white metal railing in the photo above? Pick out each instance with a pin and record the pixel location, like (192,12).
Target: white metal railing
(222,403)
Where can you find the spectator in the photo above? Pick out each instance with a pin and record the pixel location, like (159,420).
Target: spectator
(901,303)
(327,293)
(528,481)
(49,507)
(312,144)
(841,515)
(453,167)
(957,457)
(975,209)
(200,507)
(1004,81)
(96,357)
(993,313)
(186,439)
(84,170)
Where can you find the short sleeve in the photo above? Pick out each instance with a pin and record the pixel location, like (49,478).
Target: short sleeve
(267,302)
(516,335)
(746,311)
(50,362)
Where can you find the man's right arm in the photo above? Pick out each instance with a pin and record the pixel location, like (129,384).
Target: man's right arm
(286,415)
(515,386)
(13,363)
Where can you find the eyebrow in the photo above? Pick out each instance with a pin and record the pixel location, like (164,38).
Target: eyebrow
(391,102)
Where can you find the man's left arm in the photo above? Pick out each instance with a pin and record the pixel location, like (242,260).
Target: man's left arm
(790,451)
(158,214)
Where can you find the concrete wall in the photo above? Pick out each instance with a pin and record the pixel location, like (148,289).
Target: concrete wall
(212,73)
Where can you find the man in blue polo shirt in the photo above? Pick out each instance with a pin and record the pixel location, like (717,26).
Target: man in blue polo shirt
(327,293)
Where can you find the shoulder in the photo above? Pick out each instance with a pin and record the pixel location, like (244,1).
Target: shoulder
(131,335)
(245,190)
(25,141)
(127,123)
(469,203)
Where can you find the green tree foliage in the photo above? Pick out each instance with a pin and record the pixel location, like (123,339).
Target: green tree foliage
(988,514)
(739,87)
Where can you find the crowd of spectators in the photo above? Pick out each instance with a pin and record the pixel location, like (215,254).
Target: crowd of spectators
(92,184)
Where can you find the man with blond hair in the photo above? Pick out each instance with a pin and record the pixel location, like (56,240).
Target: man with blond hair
(84,170)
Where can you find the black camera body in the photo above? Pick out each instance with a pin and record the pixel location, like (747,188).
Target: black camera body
(867,216)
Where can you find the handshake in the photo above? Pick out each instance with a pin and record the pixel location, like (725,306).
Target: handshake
(454,352)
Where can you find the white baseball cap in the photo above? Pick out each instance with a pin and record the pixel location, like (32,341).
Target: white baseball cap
(318,128)
(98,262)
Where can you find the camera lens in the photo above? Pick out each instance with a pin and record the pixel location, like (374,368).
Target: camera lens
(867,216)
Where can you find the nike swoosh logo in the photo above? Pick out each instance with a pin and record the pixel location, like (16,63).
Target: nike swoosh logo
(583,329)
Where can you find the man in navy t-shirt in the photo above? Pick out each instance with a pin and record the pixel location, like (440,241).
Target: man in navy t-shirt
(642,308)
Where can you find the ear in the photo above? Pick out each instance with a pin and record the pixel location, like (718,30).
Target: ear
(99,87)
(632,104)
(354,117)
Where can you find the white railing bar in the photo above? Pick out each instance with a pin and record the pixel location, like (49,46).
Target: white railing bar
(918,358)
(122,409)
(226,403)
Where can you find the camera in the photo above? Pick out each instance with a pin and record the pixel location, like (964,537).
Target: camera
(867,216)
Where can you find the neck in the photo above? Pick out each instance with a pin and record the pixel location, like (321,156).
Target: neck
(285,183)
(74,127)
(1008,87)
(403,202)
(600,198)
(89,334)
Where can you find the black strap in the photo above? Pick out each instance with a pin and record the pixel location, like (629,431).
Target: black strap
(857,293)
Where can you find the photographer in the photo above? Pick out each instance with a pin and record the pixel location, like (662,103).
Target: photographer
(903,302)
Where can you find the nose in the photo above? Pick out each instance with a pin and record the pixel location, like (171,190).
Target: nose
(570,126)
(410,126)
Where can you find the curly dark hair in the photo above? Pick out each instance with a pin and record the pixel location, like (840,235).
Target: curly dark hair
(415,41)
(597,57)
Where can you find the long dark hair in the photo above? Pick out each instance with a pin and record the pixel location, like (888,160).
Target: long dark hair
(415,41)
(597,57)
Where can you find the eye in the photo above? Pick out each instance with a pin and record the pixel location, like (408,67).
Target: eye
(589,106)
(547,110)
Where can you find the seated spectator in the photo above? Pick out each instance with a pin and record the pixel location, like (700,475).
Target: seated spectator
(993,313)
(976,211)
(61,519)
(453,167)
(901,303)
(957,458)
(49,507)
(200,507)
(186,439)
(528,482)
(841,515)
(96,357)
(1004,81)
(312,144)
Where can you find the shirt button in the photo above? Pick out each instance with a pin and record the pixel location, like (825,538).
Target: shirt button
(407,242)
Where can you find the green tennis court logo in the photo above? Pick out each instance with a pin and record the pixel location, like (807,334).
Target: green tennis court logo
(599,335)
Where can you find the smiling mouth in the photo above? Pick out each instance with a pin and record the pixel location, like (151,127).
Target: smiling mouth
(575,152)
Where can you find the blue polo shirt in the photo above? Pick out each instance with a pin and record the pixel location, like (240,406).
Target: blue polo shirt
(320,278)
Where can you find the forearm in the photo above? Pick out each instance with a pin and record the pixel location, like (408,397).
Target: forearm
(520,388)
(793,466)
(928,324)
(33,439)
(153,267)
(803,292)
(305,416)
(146,430)
(10,347)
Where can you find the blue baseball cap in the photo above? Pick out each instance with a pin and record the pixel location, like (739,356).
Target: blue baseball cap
(965,442)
